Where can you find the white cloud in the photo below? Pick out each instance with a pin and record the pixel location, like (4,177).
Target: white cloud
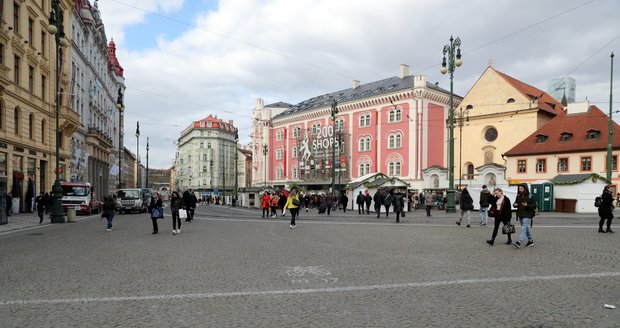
(289,51)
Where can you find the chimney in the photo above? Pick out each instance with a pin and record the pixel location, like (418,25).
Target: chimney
(356,84)
(404,71)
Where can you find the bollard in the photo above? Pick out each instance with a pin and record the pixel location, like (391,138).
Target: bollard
(71,215)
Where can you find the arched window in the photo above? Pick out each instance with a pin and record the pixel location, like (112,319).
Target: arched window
(31,126)
(398,140)
(368,143)
(391,139)
(339,125)
(362,143)
(394,168)
(470,171)
(391,116)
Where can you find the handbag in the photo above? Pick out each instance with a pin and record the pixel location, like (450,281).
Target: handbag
(508,228)
(402,213)
(492,211)
(182,214)
(157,213)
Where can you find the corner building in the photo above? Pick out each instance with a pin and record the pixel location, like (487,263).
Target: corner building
(396,126)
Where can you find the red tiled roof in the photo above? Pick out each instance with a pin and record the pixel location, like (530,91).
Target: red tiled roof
(216,123)
(578,125)
(545,101)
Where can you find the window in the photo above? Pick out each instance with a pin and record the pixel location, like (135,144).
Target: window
(586,163)
(209,124)
(541,138)
(31,79)
(592,135)
(16,63)
(30,31)
(296,173)
(364,144)
(43,131)
(3,164)
(43,86)
(204,157)
(295,152)
(339,125)
(614,162)
(510,100)
(563,165)
(204,168)
(296,132)
(16,115)
(394,168)
(394,140)
(566,137)
(279,153)
(43,37)
(364,169)
(31,126)
(16,17)
(522,166)
(316,129)
(279,135)
(1,115)
(365,120)
(1,53)
(490,134)
(541,165)
(279,173)
(395,115)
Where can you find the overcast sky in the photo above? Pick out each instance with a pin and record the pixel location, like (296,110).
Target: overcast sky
(184,60)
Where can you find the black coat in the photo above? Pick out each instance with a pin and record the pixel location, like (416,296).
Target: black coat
(505,213)
(398,203)
(606,210)
(466,202)
(378,199)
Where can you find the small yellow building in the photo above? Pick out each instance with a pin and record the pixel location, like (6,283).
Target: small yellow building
(497,113)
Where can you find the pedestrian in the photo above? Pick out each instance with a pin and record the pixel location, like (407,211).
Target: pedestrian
(387,201)
(399,204)
(40,204)
(155,208)
(193,201)
(186,200)
(108,211)
(329,202)
(273,203)
(344,201)
(378,199)
(282,202)
(500,205)
(176,203)
(466,204)
(360,203)
(429,200)
(47,202)
(9,203)
(484,205)
(265,204)
(526,209)
(307,201)
(367,200)
(293,203)
(606,210)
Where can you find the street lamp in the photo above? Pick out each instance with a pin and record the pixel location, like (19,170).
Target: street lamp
(449,49)
(610,123)
(265,151)
(56,28)
(462,116)
(120,107)
(138,154)
(147,162)
(236,167)
(334,111)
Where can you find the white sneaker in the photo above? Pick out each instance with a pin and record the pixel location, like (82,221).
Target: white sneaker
(174,232)
(291,226)
(108,230)
(178,231)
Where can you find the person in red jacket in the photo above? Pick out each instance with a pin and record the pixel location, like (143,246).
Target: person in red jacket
(265,204)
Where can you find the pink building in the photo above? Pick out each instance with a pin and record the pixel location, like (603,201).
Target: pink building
(396,126)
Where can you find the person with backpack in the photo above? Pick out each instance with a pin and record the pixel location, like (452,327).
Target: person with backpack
(387,201)
(484,206)
(526,209)
(360,203)
(466,204)
(378,199)
(606,210)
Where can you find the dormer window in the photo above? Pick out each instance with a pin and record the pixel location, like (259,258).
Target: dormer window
(593,135)
(566,137)
(541,138)
(209,124)
(510,100)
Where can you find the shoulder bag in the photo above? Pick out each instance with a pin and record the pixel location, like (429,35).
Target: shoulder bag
(508,229)
(157,213)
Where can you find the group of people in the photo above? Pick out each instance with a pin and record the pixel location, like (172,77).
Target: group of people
(181,207)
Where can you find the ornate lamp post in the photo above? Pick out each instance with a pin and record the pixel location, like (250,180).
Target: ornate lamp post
(265,151)
(56,28)
(451,50)
(120,107)
(610,126)
(138,154)
(147,162)
(234,203)
(334,111)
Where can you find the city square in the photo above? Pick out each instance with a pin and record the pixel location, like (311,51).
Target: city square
(231,268)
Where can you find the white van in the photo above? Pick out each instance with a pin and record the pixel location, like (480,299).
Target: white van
(130,200)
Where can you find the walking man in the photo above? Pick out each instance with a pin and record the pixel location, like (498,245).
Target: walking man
(367,200)
(360,203)
(40,203)
(484,206)
(378,199)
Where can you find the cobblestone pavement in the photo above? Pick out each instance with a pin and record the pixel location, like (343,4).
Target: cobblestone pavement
(231,268)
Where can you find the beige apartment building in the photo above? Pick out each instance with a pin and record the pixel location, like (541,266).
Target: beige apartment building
(27,106)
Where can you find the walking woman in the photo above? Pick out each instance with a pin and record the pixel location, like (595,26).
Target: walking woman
(467,204)
(500,204)
(399,204)
(526,207)
(176,203)
(108,210)
(606,210)
(292,203)
(265,204)
(154,208)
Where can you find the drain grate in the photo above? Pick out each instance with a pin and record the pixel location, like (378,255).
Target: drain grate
(36,234)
